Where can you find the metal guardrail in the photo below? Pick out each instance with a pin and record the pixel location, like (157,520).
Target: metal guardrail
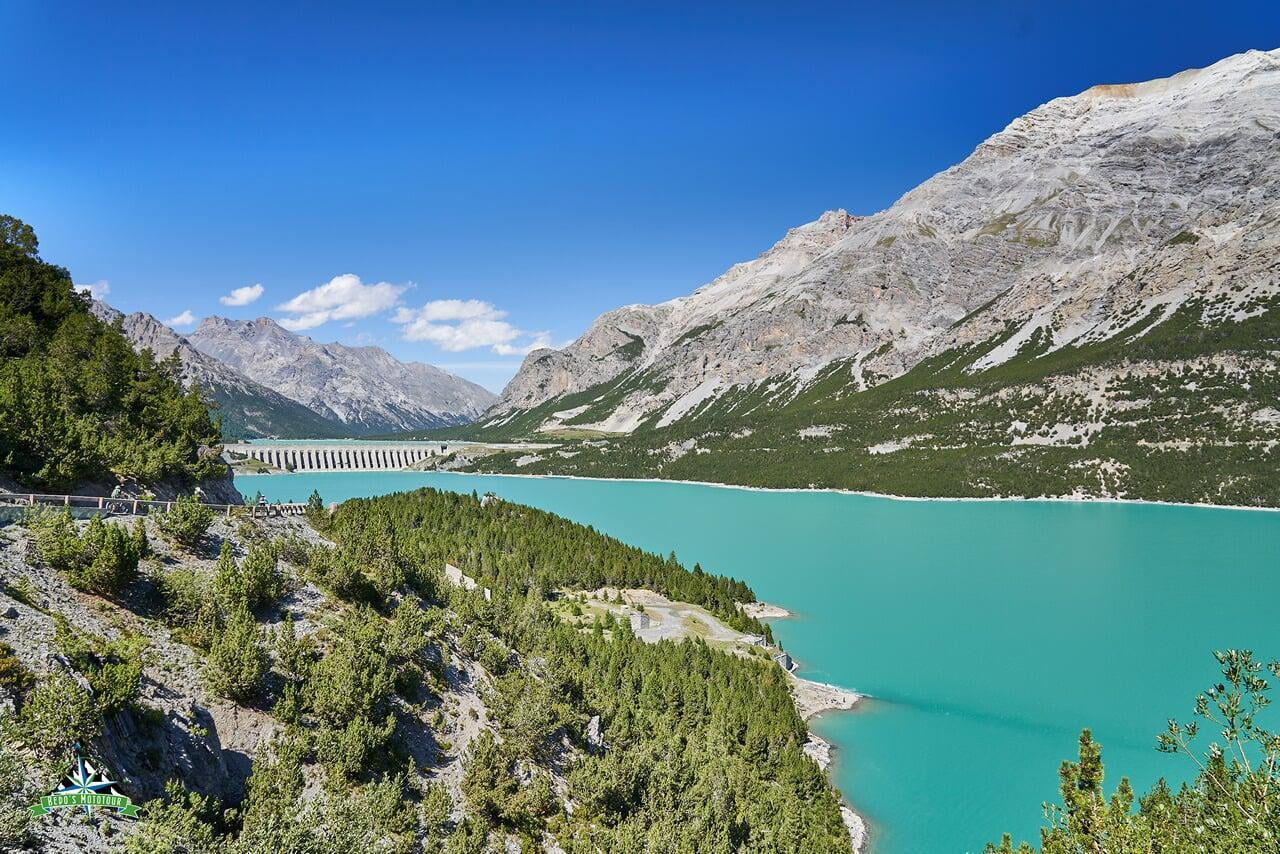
(140,506)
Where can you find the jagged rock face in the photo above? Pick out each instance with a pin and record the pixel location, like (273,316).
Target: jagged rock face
(1079,219)
(364,388)
(247,408)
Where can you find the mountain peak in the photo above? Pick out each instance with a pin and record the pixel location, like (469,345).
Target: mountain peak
(364,387)
(1053,227)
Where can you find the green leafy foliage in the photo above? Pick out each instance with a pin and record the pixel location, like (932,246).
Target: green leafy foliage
(236,662)
(189,605)
(186,521)
(112,667)
(55,715)
(1230,806)
(14,676)
(104,559)
(15,819)
(181,823)
(76,402)
(255,582)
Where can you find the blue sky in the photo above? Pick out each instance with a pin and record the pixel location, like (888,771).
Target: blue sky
(458,182)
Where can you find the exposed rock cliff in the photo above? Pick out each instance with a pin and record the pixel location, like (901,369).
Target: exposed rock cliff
(246,408)
(363,388)
(1088,305)
(1076,221)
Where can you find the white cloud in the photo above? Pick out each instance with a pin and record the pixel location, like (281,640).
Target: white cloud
(341,298)
(184,319)
(98,290)
(539,340)
(242,296)
(455,325)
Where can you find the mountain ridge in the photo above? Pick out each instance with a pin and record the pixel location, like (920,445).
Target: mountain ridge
(364,388)
(245,408)
(1095,224)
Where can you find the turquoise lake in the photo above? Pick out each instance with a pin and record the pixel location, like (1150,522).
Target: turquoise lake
(987,633)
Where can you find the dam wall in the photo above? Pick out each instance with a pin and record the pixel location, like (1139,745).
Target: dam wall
(309,456)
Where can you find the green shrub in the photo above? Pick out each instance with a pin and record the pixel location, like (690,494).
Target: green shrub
(14,801)
(263,580)
(488,785)
(113,559)
(236,662)
(190,607)
(104,559)
(55,715)
(272,816)
(14,676)
(186,521)
(348,751)
(295,550)
(294,657)
(354,677)
(138,537)
(57,538)
(341,575)
(376,817)
(112,667)
(255,582)
(181,823)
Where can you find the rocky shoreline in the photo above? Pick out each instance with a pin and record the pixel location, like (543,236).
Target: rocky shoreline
(813,699)
(763,611)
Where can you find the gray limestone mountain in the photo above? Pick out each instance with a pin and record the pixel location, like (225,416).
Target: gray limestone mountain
(365,389)
(246,408)
(1081,258)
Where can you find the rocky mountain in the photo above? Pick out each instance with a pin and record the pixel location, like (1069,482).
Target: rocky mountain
(1042,304)
(245,407)
(364,388)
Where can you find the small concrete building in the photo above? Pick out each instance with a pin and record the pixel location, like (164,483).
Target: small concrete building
(784,661)
(753,640)
(640,621)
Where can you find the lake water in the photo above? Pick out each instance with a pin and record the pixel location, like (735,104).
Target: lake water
(988,633)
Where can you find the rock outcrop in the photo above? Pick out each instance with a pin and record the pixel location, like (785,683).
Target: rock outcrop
(1087,215)
(365,389)
(246,408)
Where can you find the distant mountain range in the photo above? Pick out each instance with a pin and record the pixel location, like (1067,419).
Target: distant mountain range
(266,381)
(1088,304)
(364,388)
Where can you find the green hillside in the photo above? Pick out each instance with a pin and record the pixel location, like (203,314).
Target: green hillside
(1178,410)
(251,416)
(76,402)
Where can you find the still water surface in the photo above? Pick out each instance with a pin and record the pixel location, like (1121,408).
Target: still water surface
(988,633)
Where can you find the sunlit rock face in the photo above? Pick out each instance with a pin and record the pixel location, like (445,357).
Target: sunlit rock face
(364,388)
(1091,213)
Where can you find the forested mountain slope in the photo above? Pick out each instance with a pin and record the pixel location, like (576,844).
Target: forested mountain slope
(1087,305)
(78,407)
(327,691)
(244,408)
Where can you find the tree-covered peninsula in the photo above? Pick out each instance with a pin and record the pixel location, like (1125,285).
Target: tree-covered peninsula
(375,706)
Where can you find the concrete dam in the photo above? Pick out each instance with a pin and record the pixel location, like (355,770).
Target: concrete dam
(311,456)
